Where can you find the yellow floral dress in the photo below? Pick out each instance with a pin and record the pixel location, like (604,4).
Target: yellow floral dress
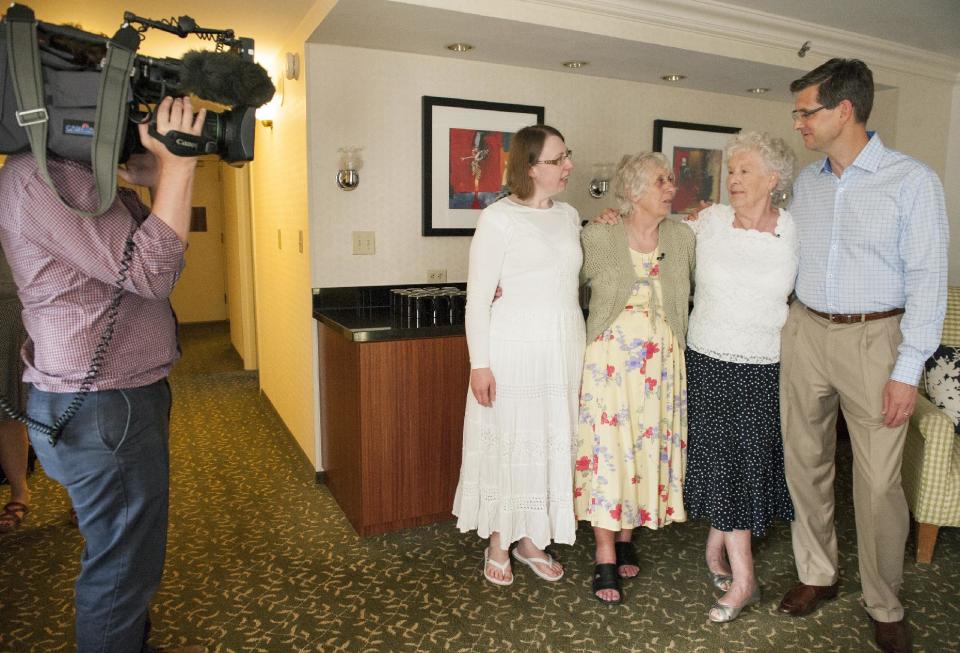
(632,436)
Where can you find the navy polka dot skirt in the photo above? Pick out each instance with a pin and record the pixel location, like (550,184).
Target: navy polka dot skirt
(735,473)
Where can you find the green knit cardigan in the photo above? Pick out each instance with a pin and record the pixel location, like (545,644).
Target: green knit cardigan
(609,270)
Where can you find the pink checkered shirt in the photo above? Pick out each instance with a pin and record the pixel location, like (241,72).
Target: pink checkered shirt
(65,266)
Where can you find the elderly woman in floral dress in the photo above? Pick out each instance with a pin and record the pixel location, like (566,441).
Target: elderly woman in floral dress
(632,433)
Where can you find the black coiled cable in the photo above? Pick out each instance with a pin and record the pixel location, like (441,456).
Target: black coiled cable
(54,432)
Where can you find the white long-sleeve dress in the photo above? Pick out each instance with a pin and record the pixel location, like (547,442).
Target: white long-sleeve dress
(516,477)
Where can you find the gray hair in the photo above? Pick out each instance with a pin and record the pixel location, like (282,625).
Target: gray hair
(774,152)
(633,176)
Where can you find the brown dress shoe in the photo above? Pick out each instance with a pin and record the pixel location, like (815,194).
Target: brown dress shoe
(804,599)
(892,637)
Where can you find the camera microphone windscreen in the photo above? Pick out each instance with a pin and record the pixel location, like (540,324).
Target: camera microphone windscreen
(225,78)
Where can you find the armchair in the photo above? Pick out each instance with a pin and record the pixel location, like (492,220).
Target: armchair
(931,456)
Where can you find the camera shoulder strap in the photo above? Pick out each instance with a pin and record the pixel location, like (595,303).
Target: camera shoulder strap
(24,60)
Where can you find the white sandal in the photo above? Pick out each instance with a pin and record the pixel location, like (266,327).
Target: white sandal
(502,566)
(533,562)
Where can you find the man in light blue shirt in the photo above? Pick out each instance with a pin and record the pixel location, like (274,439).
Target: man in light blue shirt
(871,293)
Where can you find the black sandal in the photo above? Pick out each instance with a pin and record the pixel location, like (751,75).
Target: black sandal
(626,555)
(605,577)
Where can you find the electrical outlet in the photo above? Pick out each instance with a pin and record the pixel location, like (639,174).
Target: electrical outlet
(436,276)
(364,242)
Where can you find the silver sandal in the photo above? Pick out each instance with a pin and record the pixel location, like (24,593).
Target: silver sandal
(730,612)
(721,581)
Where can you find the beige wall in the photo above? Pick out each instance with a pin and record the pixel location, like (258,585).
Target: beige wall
(372,99)
(238,244)
(928,128)
(284,319)
(952,185)
(286,342)
(200,293)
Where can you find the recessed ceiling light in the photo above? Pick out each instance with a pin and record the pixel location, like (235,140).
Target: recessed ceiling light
(576,64)
(758,90)
(459,47)
(673,78)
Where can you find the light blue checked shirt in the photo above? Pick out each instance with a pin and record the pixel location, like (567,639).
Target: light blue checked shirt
(875,239)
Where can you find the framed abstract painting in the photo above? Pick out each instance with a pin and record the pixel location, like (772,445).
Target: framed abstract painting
(465,148)
(695,153)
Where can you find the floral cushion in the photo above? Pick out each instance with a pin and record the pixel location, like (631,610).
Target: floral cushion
(942,379)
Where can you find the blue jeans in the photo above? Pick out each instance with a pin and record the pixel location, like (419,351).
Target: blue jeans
(113,458)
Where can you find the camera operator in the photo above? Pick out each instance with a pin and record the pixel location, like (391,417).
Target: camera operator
(113,456)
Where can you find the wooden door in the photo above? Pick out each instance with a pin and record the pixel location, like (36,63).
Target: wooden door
(200,294)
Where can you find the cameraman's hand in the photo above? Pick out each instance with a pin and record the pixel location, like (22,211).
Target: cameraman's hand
(176,115)
(174,186)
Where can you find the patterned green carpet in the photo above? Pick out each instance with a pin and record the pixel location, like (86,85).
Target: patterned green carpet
(261,559)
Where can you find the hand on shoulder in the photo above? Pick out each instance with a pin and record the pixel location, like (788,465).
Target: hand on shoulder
(608,217)
(694,214)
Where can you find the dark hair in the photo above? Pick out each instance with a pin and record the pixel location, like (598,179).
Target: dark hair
(525,148)
(839,80)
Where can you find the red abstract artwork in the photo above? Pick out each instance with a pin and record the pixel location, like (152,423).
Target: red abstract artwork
(478,161)
(697,173)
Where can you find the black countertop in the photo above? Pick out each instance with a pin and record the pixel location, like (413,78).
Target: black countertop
(362,314)
(374,324)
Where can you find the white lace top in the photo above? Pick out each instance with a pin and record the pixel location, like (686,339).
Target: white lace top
(743,280)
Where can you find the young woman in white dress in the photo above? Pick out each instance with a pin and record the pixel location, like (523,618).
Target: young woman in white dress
(526,356)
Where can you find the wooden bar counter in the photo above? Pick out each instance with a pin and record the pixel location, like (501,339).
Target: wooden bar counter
(392,406)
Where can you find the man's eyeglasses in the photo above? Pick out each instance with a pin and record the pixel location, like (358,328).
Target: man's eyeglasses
(804,114)
(558,161)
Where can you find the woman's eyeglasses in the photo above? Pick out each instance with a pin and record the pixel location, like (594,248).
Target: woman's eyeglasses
(558,161)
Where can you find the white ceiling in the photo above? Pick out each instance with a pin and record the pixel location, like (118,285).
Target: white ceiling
(925,24)
(410,27)
(386,25)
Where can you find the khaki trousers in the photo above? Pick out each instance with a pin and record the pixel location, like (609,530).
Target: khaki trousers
(823,365)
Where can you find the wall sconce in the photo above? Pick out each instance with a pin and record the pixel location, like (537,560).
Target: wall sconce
(267,113)
(600,184)
(291,65)
(350,163)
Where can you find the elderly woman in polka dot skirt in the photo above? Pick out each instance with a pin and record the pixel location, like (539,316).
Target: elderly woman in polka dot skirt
(746,266)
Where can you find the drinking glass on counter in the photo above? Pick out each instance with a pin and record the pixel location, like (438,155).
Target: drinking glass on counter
(428,306)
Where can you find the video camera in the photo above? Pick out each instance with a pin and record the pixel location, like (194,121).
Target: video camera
(75,64)
(227,76)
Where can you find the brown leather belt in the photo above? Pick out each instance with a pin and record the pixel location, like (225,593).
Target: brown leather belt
(854,318)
